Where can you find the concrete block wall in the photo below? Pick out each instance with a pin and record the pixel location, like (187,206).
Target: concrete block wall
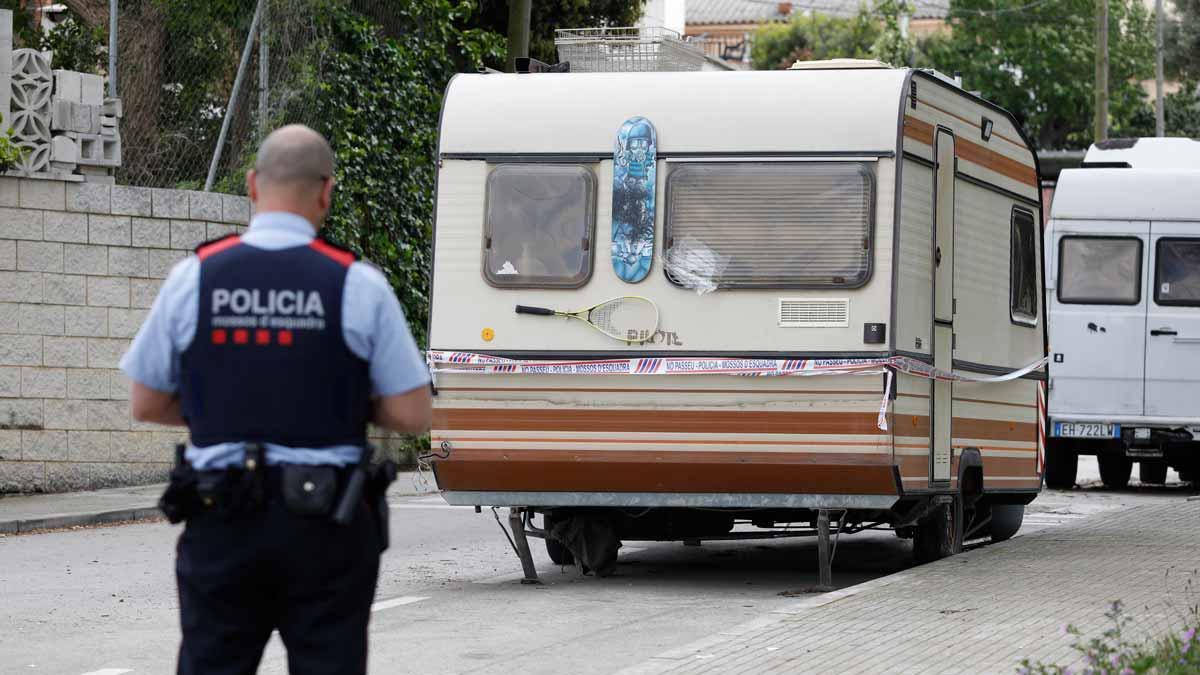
(80,265)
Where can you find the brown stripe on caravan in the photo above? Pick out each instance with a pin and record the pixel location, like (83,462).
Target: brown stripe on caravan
(969,151)
(605,390)
(661,472)
(993,430)
(468,454)
(995,134)
(918,130)
(881,444)
(665,421)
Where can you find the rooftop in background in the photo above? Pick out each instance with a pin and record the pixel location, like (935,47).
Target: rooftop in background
(1146,153)
(725,12)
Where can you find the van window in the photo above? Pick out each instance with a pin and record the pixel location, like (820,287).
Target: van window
(539,225)
(1177,272)
(1022,278)
(1100,270)
(779,224)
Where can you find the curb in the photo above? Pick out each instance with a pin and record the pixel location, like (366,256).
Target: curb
(78,520)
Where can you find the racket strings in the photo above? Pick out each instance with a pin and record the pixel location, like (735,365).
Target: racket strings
(629,318)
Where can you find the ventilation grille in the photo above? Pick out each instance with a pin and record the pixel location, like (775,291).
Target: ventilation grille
(809,313)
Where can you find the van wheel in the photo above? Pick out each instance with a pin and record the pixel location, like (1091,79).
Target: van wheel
(1152,471)
(1061,466)
(939,534)
(1006,520)
(1115,470)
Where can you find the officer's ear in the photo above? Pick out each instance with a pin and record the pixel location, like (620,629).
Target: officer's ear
(327,193)
(252,185)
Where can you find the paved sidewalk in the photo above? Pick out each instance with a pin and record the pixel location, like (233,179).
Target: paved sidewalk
(24,513)
(978,612)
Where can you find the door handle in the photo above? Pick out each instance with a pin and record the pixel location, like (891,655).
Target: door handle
(1164,331)
(937,257)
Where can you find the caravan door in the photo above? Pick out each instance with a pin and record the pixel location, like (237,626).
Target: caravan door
(1173,322)
(1097,321)
(941,402)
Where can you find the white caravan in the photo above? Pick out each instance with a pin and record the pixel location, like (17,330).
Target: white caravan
(1123,280)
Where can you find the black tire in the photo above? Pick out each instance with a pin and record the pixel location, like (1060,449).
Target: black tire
(1115,469)
(558,553)
(939,534)
(1061,466)
(1187,476)
(1152,471)
(1006,520)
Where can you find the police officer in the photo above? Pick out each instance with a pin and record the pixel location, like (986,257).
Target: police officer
(275,349)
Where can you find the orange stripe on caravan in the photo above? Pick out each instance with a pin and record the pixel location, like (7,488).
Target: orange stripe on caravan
(672,441)
(670,457)
(663,421)
(821,392)
(922,132)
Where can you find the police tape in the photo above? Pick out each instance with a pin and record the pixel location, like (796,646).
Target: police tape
(469,362)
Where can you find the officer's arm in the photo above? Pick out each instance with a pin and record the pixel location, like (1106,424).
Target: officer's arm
(407,413)
(151,405)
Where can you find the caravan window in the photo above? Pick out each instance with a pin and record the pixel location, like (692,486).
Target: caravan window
(1100,270)
(772,224)
(1023,279)
(539,225)
(1177,273)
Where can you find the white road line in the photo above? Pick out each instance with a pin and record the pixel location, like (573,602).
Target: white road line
(397,602)
(109,671)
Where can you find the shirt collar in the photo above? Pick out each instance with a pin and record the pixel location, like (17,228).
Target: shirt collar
(282,221)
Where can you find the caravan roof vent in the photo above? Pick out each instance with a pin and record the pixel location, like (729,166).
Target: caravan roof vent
(814,313)
(623,50)
(839,64)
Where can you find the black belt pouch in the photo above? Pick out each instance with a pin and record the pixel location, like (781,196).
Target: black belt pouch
(309,490)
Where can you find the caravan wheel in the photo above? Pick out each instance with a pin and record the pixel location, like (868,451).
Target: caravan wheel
(1061,466)
(1006,520)
(1115,469)
(939,534)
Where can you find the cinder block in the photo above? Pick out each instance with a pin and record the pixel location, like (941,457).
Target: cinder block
(8,254)
(64,352)
(89,197)
(38,319)
(43,194)
(112,107)
(10,194)
(87,383)
(44,445)
(235,209)
(187,234)
(20,287)
(131,201)
(169,203)
(86,321)
(19,477)
(10,315)
(21,350)
(68,85)
(85,259)
(89,446)
(124,323)
(108,292)
(139,446)
(162,261)
(112,230)
(108,415)
(106,353)
(151,232)
(142,292)
(39,256)
(10,387)
(204,205)
(62,114)
(38,382)
(65,413)
(63,151)
(64,289)
(21,413)
(118,385)
(85,119)
(129,262)
(91,89)
(20,224)
(218,230)
(64,226)
(98,150)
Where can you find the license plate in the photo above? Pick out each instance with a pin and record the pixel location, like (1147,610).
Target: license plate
(1087,430)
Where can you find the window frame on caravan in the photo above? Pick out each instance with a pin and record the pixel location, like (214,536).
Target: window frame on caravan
(1020,317)
(1189,302)
(587,243)
(865,168)
(1062,243)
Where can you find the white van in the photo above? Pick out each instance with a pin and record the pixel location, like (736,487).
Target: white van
(1123,285)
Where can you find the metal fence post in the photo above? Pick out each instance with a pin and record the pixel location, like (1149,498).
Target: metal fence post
(264,70)
(112,47)
(233,97)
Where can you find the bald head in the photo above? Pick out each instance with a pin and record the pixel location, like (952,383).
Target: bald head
(293,173)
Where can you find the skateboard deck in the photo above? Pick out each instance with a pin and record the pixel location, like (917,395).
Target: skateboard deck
(634,174)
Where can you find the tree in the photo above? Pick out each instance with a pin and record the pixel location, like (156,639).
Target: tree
(1037,61)
(549,15)
(1183,40)
(808,37)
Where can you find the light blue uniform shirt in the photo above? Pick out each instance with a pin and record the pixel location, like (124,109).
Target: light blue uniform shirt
(373,326)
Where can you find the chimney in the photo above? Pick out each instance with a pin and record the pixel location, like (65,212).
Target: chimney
(784,8)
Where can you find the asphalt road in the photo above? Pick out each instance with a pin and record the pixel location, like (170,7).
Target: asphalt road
(102,601)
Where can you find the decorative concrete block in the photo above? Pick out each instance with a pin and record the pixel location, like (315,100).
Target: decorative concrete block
(91,89)
(108,415)
(235,209)
(35,157)
(112,230)
(68,85)
(21,413)
(43,382)
(118,385)
(84,259)
(64,352)
(20,350)
(139,446)
(187,234)
(20,224)
(131,201)
(41,319)
(142,292)
(10,387)
(124,323)
(10,191)
(86,321)
(129,262)
(64,289)
(43,194)
(218,230)
(89,446)
(39,256)
(106,353)
(108,292)
(64,413)
(63,226)
(8,254)
(64,151)
(151,232)
(87,383)
(44,445)
(161,262)
(20,287)
(204,205)
(10,313)
(169,203)
(89,197)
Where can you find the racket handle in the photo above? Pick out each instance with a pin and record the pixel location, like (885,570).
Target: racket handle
(522,309)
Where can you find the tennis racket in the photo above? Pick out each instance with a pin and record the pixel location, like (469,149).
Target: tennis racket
(630,318)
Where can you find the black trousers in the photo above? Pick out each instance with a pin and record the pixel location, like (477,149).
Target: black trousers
(243,576)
